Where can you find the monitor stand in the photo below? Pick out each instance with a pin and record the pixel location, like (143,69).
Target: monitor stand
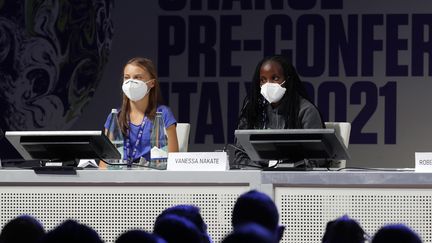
(19,163)
(57,170)
(64,167)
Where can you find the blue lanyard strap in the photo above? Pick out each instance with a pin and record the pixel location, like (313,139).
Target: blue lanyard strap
(127,148)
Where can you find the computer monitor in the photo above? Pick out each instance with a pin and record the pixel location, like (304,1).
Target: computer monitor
(292,144)
(62,146)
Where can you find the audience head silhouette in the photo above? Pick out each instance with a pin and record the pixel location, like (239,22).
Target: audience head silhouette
(343,229)
(22,229)
(176,229)
(251,232)
(138,236)
(71,231)
(191,213)
(257,207)
(396,233)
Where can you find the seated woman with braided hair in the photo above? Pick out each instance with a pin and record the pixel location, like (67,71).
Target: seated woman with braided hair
(276,100)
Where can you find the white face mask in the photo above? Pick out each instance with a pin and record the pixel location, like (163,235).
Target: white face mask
(135,89)
(273,92)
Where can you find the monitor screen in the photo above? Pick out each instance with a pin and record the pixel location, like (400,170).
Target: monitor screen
(291,144)
(62,146)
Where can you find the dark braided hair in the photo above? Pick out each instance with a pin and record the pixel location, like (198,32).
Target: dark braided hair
(254,104)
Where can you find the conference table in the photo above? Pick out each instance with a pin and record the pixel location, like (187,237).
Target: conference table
(113,201)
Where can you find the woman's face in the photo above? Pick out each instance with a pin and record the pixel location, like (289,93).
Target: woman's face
(272,72)
(135,72)
(135,90)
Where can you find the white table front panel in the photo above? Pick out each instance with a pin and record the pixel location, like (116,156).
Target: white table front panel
(306,210)
(111,210)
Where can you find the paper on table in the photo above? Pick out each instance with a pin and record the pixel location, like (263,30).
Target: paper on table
(157,153)
(87,163)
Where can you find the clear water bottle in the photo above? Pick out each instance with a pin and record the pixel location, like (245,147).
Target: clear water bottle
(115,135)
(159,143)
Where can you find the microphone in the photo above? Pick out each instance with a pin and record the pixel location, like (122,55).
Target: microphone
(235,147)
(239,163)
